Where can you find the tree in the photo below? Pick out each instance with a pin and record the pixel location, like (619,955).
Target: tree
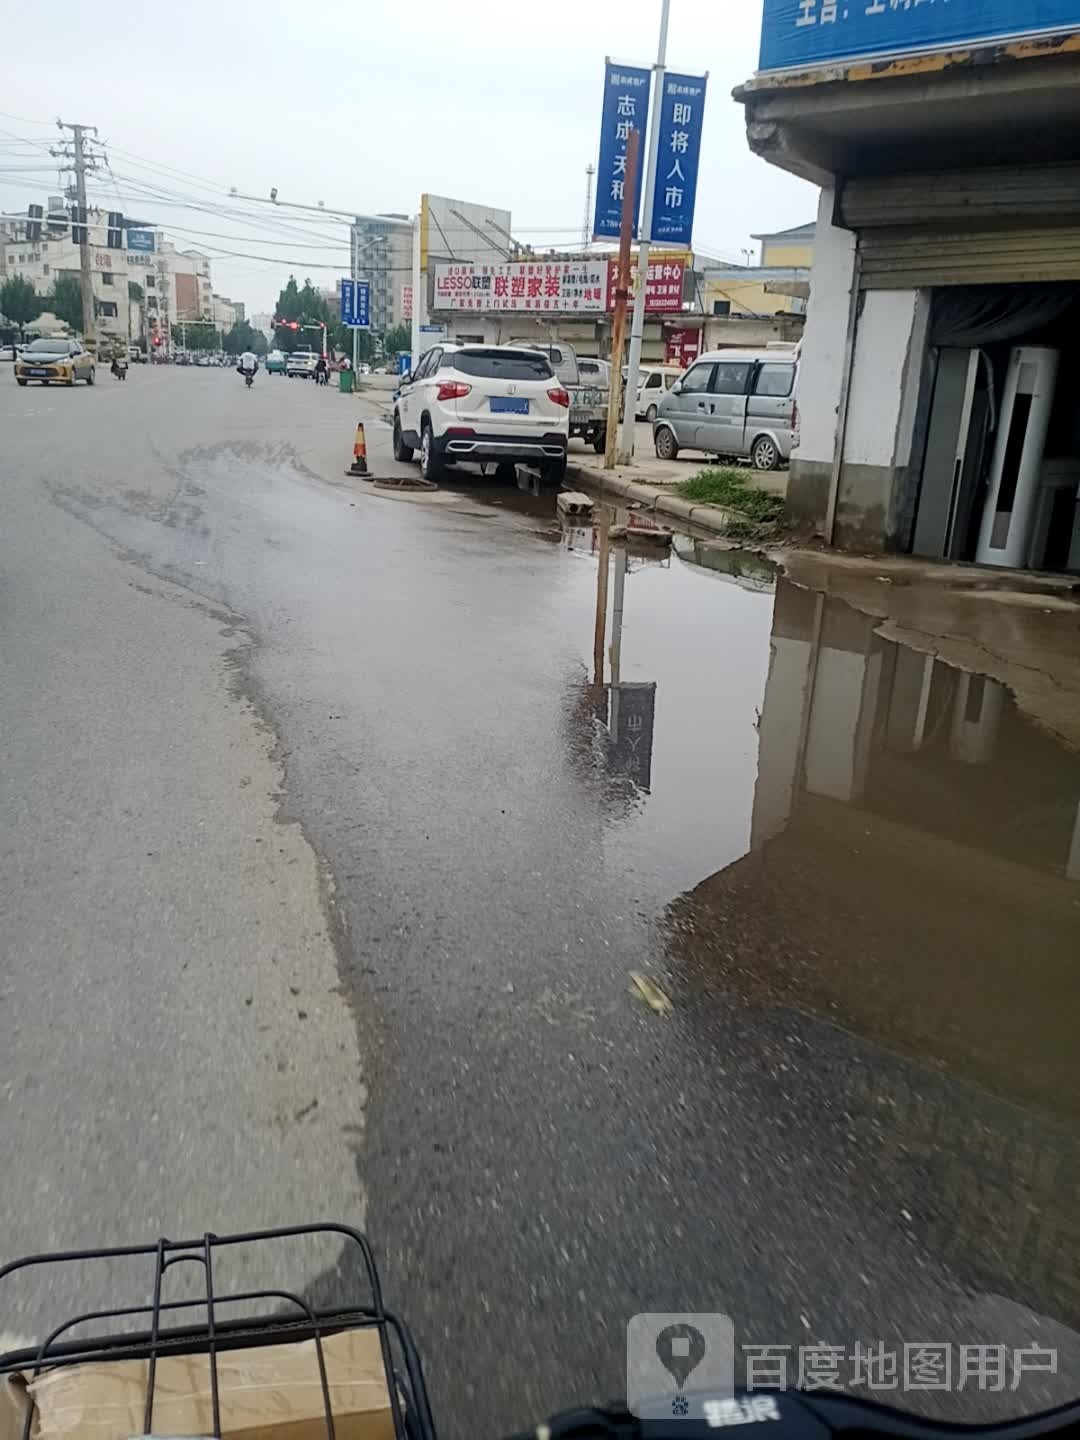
(19,301)
(397,337)
(243,336)
(135,293)
(195,336)
(301,308)
(66,300)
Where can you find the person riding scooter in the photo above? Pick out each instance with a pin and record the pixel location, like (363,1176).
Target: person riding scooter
(249,363)
(322,373)
(119,367)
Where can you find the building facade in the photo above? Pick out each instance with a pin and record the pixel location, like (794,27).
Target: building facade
(935,392)
(383,254)
(779,285)
(142,288)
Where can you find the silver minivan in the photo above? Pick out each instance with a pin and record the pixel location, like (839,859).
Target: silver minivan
(731,402)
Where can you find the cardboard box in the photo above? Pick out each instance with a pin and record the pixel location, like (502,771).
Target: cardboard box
(271,1392)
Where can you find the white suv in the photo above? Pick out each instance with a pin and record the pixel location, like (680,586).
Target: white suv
(480,403)
(302,363)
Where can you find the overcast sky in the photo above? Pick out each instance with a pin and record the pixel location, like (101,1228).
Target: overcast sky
(364,104)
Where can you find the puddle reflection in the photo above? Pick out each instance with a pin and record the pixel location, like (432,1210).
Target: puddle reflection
(913,878)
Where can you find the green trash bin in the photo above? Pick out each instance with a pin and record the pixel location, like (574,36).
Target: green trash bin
(345,381)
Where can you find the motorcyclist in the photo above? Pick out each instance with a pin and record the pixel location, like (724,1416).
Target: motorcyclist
(322,373)
(248,364)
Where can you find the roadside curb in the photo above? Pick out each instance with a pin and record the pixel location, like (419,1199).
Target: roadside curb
(707,517)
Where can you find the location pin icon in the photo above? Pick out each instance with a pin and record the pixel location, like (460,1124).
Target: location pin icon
(680,1349)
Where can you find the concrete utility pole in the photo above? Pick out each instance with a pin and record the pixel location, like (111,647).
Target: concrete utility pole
(80,167)
(622,292)
(637,333)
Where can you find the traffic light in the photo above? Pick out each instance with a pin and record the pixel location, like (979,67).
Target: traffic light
(79,232)
(33,224)
(114,237)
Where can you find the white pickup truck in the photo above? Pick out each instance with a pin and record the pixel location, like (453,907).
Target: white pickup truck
(302,363)
(588,395)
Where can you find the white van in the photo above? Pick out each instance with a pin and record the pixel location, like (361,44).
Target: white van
(654,382)
(731,402)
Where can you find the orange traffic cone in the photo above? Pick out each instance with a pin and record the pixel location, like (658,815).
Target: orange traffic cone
(359,455)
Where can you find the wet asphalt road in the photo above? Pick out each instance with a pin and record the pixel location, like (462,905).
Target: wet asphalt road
(535,1153)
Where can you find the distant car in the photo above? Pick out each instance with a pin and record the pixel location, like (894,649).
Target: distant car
(479,404)
(204,361)
(275,362)
(302,363)
(62,360)
(365,368)
(136,355)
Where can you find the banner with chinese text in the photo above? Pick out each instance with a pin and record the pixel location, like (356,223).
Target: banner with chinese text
(626,108)
(682,109)
(807,32)
(562,286)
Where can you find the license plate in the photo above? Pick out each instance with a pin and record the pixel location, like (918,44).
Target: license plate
(40,372)
(507,405)
(580,417)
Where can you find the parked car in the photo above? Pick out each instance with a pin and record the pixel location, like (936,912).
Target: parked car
(654,381)
(302,363)
(588,398)
(62,360)
(275,362)
(731,403)
(482,403)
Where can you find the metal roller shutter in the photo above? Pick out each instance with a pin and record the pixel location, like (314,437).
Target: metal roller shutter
(964,199)
(1002,224)
(919,259)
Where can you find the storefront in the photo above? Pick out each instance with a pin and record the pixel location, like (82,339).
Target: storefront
(942,349)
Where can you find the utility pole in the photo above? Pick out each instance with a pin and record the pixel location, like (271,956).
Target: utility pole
(622,292)
(637,333)
(81,164)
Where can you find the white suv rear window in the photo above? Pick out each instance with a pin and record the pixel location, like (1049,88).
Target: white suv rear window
(500,364)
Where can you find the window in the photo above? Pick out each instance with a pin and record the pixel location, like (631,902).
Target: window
(721,307)
(150,282)
(22,259)
(107,309)
(424,366)
(503,364)
(731,377)
(653,381)
(776,380)
(45,269)
(696,380)
(44,245)
(106,278)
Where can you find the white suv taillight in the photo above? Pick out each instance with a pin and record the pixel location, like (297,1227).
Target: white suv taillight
(560,396)
(452,390)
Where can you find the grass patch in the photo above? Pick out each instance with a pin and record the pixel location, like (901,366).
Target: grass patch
(728,488)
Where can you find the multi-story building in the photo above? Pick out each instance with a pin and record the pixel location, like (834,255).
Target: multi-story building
(142,288)
(41,253)
(225,312)
(384,255)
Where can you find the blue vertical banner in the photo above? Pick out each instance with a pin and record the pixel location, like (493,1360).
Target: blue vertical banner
(682,109)
(355,304)
(626,108)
